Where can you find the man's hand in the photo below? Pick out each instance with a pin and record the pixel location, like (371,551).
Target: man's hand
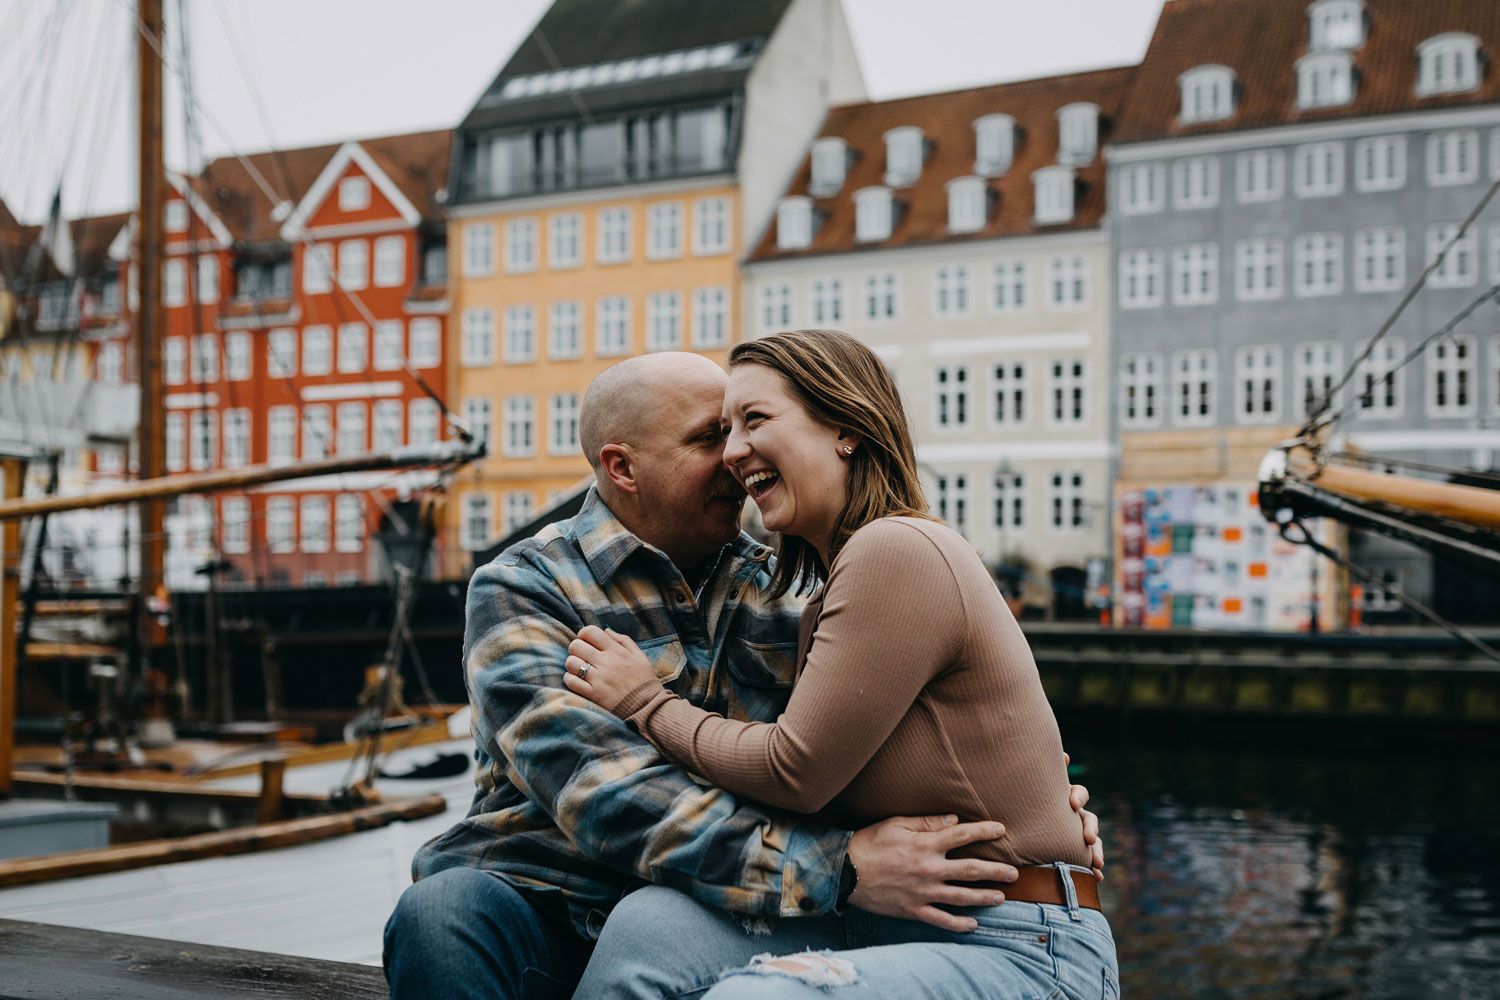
(1078,797)
(903,868)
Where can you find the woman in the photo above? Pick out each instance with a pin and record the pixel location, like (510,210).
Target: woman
(916,692)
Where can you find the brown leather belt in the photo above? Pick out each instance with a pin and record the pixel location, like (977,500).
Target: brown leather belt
(1041,884)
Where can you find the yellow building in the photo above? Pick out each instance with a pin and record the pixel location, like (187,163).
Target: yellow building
(603,193)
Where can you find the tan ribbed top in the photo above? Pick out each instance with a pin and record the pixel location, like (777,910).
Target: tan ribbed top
(916,695)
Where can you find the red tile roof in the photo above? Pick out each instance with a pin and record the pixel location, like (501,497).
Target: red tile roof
(1261,40)
(947,121)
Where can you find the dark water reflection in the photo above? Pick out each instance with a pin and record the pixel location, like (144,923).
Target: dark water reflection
(1335,872)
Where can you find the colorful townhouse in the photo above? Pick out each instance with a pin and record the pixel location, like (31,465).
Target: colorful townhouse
(1282,173)
(961,236)
(603,191)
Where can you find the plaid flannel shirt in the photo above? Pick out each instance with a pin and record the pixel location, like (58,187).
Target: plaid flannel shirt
(573,806)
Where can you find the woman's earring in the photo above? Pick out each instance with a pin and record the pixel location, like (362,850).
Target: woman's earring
(848,450)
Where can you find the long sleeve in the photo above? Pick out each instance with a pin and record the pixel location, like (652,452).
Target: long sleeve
(892,618)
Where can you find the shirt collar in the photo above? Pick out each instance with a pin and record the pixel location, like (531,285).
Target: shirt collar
(606,543)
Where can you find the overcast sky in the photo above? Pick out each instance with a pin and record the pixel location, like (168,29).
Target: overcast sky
(289,73)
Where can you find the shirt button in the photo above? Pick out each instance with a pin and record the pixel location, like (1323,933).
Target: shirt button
(681,598)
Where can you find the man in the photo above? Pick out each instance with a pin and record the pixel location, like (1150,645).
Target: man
(572,808)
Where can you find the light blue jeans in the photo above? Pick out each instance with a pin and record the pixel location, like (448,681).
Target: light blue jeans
(661,944)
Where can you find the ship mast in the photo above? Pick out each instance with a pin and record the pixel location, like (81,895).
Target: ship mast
(150,319)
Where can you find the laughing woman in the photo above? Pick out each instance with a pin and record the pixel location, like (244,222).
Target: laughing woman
(916,692)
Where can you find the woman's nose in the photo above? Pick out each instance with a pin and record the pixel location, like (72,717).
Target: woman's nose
(736,448)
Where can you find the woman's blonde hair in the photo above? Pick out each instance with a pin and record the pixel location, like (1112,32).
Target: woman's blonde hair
(842,383)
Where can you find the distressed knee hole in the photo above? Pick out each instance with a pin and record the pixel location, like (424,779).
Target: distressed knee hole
(816,968)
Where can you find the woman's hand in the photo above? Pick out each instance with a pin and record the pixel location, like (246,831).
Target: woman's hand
(604,666)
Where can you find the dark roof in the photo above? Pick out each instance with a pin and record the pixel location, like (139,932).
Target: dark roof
(947,122)
(1261,40)
(92,238)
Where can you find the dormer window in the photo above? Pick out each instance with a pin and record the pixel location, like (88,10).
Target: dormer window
(1335,25)
(968,204)
(1447,64)
(794,219)
(1078,134)
(1054,195)
(176,220)
(1325,80)
(1207,94)
(904,149)
(994,144)
(830,161)
(874,211)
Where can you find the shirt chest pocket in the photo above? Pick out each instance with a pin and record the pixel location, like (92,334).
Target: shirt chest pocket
(667,657)
(766,666)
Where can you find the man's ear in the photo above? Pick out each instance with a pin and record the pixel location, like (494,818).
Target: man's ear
(617,463)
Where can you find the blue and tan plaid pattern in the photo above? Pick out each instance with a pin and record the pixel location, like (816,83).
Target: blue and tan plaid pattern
(570,801)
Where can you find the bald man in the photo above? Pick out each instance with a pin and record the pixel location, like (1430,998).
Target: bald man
(573,809)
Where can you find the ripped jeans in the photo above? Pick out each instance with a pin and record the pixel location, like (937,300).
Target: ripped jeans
(661,944)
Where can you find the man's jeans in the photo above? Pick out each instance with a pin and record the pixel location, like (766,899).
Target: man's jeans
(465,933)
(659,943)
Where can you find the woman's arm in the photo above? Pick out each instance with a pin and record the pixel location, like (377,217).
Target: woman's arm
(892,618)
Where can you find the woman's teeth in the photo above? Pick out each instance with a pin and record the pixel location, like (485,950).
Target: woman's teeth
(759,482)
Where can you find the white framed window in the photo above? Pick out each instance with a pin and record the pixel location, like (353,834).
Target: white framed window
(905,149)
(1318,264)
(1067,282)
(349,522)
(1336,24)
(1140,390)
(236,437)
(480,418)
(1315,367)
(968,204)
(205,358)
(663,321)
(478,521)
(314,532)
(1142,276)
(237,357)
(281,435)
(175,216)
(710,317)
(1142,188)
(390,261)
(1379,381)
(711,226)
(234,524)
(874,214)
(614,235)
(175,455)
(1078,133)
(830,161)
(776,307)
(1008,393)
(478,337)
(951,405)
(1194,381)
(353,428)
(354,194)
(1067,391)
(389,345)
(1207,94)
(1450,377)
(612,326)
(1008,286)
(1325,80)
(174,283)
(520,246)
(1195,182)
(520,427)
(1380,163)
(1260,175)
(426,342)
(1258,269)
(1066,502)
(207,290)
(281,524)
(794,223)
(479,249)
(317,431)
(281,353)
(1010,501)
(109,363)
(203,440)
(562,423)
(565,240)
(1054,191)
(518,508)
(1460,268)
(1447,64)
(1257,380)
(354,265)
(994,144)
(1379,259)
(953,500)
(317,349)
(520,335)
(422,422)
(828,301)
(386,430)
(880,295)
(1452,157)
(317,269)
(1318,170)
(565,330)
(354,343)
(950,290)
(664,230)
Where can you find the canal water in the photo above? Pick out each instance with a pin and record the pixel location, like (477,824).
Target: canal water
(1332,871)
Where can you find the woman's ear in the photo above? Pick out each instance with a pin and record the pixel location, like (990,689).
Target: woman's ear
(618,465)
(848,442)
